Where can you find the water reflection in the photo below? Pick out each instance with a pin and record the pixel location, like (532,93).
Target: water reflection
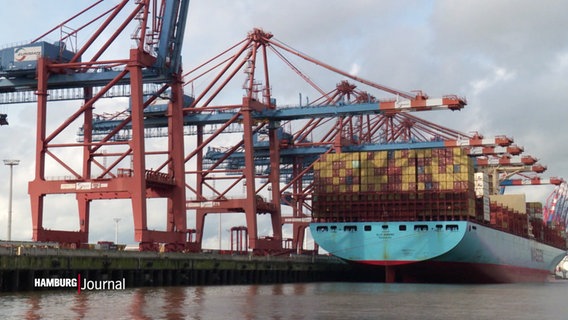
(138,304)
(33,303)
(196,303)
(248,308)
(175,301)
(81,305)
(293,301)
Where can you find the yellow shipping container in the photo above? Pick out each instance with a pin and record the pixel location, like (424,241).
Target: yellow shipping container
(471,208)
(374,163)
(438,177)
(335,180)
(401,162)
(317,165)
(462,160)
(381,155)
(407,186)
(327,165)
(333,173)
(435,161)
(380,163)
(451,177)
(435,170)
(330,172)
(409,170)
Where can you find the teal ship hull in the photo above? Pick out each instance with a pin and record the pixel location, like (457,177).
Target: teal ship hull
(439,251)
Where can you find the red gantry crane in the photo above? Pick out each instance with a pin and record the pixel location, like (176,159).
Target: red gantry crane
(54,71)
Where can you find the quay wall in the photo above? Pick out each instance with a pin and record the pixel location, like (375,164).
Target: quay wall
(20,266)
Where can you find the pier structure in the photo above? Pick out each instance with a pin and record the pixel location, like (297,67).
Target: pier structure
(24,269)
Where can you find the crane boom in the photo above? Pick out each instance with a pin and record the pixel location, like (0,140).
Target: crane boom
(531,181)
(171,35)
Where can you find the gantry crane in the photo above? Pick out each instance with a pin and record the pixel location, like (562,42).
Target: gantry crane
(63,67)
(503,167)
(555,209)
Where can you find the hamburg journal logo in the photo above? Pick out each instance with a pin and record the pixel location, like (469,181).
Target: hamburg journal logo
(80,284)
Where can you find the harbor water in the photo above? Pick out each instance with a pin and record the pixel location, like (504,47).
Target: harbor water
(297,301)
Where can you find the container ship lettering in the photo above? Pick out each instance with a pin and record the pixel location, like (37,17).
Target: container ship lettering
(426,215)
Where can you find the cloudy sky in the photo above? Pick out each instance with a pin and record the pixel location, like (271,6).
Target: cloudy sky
(508,58)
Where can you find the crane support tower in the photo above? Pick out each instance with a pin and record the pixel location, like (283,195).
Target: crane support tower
(155,59)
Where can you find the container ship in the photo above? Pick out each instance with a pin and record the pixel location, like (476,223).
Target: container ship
(426,215)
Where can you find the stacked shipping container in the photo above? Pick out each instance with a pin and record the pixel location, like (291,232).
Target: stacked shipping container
(507,219)
(428,184)
(534,210)
(553,234)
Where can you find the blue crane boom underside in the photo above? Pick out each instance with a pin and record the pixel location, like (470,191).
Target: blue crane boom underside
(310,153)
(291,113)
(76,80)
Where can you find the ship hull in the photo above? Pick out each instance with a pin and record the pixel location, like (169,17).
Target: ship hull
(439,251)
